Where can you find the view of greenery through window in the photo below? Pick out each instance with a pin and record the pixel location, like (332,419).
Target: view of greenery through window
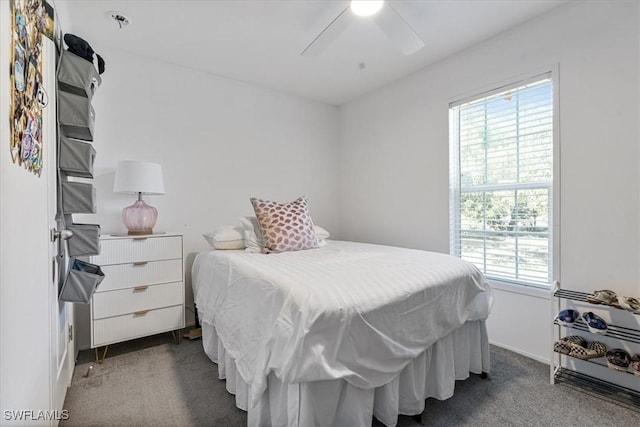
(503,217)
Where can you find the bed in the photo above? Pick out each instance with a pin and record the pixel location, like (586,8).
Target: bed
(336,335)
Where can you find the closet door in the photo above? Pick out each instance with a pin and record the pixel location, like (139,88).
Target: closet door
(62,358)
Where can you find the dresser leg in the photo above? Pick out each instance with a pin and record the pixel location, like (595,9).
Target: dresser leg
(104,354)
(177,336)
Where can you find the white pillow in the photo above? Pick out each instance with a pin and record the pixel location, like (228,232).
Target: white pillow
(321,233)
(226,237)
(252,234)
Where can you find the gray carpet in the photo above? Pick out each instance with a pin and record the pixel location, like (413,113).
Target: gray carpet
(153,382)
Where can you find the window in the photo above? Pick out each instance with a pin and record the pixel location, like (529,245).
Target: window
(501,186)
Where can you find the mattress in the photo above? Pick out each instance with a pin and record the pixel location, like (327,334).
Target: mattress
(351,311)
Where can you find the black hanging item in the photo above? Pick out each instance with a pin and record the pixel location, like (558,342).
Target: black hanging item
(80,47)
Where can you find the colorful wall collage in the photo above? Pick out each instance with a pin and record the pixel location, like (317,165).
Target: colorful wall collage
(30,19)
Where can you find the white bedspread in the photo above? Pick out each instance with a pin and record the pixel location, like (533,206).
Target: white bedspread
(354,311)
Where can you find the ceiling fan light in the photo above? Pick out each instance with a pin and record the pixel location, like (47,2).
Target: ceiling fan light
(366,7)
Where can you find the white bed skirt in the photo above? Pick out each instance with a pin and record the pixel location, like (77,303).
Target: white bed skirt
(337,403)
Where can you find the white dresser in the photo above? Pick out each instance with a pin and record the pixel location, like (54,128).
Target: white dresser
(143,289)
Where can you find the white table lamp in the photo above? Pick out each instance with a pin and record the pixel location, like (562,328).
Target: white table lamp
(133,177)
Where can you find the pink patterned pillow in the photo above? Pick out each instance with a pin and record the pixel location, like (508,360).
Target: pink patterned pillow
(285,226)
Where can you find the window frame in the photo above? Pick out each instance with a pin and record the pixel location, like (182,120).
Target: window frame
(455,190)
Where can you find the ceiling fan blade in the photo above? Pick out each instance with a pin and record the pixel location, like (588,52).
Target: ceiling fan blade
(329,34)
(398,30)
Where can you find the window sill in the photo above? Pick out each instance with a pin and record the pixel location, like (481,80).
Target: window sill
(531,291)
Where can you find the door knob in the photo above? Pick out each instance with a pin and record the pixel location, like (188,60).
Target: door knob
(62,234)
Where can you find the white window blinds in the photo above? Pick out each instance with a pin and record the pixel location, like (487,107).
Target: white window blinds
(502,180)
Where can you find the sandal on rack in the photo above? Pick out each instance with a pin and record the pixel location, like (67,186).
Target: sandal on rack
(596,324)
(630,303)
(635,364)
(594,349)
(575,340)
(566,344)
(562,347)
(618,359)
(567,317)
(605,297)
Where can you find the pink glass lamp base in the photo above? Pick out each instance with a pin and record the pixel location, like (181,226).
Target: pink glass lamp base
(139,218)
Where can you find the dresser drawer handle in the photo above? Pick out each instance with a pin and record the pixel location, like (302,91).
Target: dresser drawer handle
(140,312)
(140,288)
(140,238)
(140,263)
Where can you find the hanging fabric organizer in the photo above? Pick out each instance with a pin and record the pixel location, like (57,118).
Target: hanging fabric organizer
(78,80)
(76,157)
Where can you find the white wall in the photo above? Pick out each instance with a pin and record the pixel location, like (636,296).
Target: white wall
(219,142)
(378,166)
(394,154)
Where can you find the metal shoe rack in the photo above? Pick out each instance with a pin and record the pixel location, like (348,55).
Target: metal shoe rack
(608,390)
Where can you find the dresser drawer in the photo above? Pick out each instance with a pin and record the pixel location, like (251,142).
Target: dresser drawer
(128,250)
(130,326)
(125,301)
(122,276)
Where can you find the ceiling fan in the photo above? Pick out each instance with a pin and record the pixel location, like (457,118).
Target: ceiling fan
(390,22)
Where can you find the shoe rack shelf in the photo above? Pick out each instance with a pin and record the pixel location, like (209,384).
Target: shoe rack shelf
(593,361)
(582,297)
(562,374)
(613,331)
(600,388)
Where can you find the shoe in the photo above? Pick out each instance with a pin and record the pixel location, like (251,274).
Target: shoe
(566,344)
(618,359)
(631,304)
(635,364)
(605,296)
(562,347)
(594,349)
(596,324)
(567,317)
(574,340)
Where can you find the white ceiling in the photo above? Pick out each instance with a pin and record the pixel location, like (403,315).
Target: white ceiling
(260,41)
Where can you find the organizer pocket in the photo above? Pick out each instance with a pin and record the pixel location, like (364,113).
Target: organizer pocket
(76,157)
(78,197)
(76,116)
(77,75)
(81,282)
(85,240)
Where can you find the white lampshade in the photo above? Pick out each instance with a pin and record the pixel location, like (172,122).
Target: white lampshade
(133,177)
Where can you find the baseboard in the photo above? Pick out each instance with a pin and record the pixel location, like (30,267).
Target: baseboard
(523,353)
